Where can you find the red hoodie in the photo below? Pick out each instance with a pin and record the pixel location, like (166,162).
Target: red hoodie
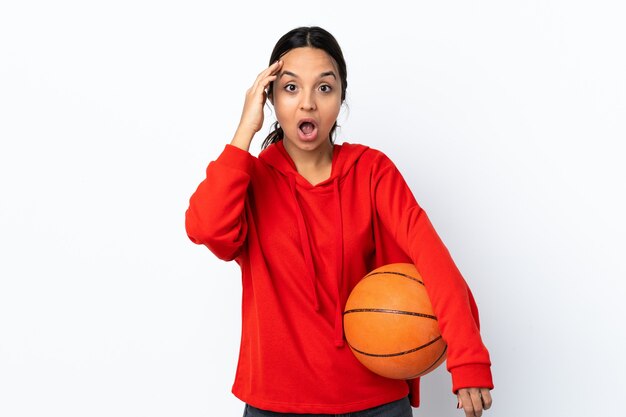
(301,249)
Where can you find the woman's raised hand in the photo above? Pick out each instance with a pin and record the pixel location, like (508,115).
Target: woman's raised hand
(252,115)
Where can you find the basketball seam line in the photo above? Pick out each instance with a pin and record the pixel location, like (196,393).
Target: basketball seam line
(425,371)
(389,311)
(394,273)
(388,355)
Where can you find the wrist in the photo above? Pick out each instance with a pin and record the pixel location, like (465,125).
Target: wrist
(243,138)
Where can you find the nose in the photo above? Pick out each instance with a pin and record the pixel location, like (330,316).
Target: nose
(308,101)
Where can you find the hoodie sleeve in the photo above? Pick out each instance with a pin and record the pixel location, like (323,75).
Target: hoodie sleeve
(467,358)
(216,214)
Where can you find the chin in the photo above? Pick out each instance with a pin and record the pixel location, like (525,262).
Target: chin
(310,145)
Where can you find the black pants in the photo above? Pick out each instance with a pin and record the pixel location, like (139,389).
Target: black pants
(399,408)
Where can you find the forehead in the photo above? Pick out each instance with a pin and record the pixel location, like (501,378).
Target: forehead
(307,59)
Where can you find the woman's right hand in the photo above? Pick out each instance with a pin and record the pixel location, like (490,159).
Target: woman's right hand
(252,114)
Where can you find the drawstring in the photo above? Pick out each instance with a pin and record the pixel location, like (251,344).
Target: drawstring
(339,252)
(308,258)
(306,246)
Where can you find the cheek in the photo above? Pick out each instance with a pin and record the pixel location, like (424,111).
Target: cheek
(332,111)
(279,109)
(283,104)
(281,113)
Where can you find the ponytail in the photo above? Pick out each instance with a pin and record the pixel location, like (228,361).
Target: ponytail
(275,135)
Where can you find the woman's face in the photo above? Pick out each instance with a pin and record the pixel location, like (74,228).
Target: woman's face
(307,97)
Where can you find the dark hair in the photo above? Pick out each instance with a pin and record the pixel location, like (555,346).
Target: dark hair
(314,37)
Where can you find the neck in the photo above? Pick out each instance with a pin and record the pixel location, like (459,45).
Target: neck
(304,160)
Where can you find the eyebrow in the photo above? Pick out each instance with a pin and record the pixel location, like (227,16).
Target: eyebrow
(322,75)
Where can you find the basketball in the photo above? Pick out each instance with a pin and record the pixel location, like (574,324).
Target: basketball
(390,326)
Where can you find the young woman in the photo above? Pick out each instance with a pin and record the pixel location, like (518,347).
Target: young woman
(307,219)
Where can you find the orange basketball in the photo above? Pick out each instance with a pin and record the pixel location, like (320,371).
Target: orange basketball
(390,326)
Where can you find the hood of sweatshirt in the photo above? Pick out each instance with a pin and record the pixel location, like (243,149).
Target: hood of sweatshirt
(344,159)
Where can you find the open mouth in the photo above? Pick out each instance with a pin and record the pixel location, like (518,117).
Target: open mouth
(307,129)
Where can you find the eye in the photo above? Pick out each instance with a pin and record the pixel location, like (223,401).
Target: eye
(325,88)
(290,88)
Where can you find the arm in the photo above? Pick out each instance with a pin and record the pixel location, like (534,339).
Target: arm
(216,215)
(467,358)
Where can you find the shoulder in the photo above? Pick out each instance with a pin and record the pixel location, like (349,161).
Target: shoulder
(367,156)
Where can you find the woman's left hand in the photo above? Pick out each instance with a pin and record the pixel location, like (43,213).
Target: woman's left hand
(474,400)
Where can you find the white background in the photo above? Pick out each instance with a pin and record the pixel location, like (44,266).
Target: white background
(506,118)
